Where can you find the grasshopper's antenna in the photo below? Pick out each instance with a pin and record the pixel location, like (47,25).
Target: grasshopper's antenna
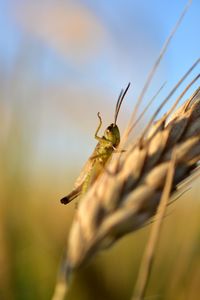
(119,101)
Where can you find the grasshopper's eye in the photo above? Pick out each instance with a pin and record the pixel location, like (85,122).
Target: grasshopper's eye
(110,128)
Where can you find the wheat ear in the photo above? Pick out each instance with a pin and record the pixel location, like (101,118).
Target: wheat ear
(122,202)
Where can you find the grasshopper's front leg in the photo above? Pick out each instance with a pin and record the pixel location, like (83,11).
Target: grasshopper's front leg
(115,150)
(98,138)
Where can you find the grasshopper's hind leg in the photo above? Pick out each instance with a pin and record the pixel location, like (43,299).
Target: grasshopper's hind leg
(71,196)
(87,183)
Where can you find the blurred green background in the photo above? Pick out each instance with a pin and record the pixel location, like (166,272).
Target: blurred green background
(60,63)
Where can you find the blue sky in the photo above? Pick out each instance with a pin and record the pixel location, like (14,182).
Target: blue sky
(154,20)
(122,44)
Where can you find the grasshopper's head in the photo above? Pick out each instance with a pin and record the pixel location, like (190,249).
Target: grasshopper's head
(112,134)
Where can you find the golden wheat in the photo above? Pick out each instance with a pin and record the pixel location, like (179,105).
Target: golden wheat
(122,202)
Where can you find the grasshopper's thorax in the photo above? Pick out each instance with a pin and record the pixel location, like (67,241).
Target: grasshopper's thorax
(112,134)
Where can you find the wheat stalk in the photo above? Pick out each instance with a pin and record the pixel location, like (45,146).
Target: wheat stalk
(121,203)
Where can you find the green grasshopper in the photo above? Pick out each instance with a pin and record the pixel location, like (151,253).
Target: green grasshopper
(107,144)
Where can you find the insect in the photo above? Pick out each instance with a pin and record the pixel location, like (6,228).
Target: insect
(107,144)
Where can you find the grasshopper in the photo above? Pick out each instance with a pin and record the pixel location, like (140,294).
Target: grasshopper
(107,144)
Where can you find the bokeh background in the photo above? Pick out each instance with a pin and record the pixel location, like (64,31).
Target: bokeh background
(60,63)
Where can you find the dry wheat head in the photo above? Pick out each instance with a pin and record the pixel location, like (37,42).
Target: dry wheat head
(123,201)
